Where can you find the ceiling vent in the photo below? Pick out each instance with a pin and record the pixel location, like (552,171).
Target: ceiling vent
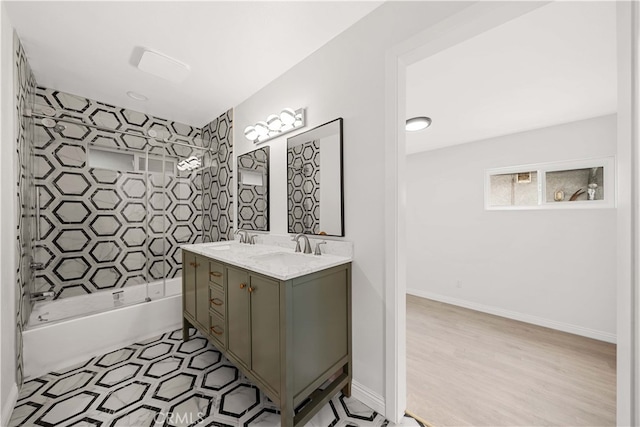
(163,66)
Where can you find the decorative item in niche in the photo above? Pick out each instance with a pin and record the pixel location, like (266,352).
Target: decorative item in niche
(524,178)
(275,125)
(514,189)
(253,190)
(571,184)
(584,184)
(314,181)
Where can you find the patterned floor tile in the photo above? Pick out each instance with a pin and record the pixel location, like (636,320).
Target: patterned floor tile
(165,382)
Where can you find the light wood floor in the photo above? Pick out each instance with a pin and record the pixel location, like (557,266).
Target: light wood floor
(469,368)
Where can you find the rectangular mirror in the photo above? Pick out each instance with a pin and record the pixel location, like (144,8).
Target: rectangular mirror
(314,181)
(253,190)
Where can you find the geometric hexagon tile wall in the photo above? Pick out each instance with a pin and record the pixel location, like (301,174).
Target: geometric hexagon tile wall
(217,189)
(105,229)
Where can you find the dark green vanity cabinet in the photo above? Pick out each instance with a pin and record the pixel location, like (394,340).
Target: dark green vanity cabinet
(254,324)
(194,290)
(290,337)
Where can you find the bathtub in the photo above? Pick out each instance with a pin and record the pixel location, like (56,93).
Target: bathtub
(58,337)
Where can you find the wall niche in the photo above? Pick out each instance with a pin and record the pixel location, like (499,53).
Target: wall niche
(578,184)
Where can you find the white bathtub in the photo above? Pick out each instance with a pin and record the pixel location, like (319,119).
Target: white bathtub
(55,344)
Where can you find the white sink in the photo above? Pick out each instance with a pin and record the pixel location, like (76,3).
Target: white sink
(284,258)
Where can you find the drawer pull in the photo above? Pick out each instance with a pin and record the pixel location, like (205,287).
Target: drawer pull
(215,274)
(251,289)
(214,301)
(213,329)
(243,285)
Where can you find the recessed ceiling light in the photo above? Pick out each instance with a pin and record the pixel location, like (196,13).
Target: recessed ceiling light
(417,123)
(136,96)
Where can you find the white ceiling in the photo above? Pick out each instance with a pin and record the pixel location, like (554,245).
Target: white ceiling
(554,65)
(233,48)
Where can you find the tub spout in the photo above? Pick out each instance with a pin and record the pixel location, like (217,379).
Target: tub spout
(40,296)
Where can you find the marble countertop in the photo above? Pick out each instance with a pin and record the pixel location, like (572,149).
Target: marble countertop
(274,261)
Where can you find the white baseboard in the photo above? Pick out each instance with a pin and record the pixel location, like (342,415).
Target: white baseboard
(368,397)
(547,323)
(9,404)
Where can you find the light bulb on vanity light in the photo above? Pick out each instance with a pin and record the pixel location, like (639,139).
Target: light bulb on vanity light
(261,128)
(250,133)
(288,116)
(274,123)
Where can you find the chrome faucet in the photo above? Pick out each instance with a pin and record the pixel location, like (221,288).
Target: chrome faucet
(307,245)
(317,251)
(244,236)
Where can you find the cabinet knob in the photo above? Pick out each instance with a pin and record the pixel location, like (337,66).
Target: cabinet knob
(196,265)
(192,264)
(216,301)
(251,289)
(243,285)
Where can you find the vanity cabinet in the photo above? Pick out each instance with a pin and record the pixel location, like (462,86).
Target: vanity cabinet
(254,324)
(290,337)
(195,272)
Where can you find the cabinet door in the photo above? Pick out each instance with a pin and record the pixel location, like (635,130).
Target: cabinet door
(238,316)
(189,283)
(265,330)
(202,292)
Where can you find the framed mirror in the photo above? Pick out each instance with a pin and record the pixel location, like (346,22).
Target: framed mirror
(253,190)
(314,181)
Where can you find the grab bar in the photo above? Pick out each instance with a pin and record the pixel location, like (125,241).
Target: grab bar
(37,213)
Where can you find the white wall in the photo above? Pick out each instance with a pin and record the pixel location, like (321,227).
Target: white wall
(551,267)
(8,387)
(346,78)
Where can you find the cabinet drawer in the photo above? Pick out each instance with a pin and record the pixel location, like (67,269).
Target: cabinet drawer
(216,300)
(217,331)
(216,272)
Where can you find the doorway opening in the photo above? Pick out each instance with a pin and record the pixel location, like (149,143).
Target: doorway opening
(435,41)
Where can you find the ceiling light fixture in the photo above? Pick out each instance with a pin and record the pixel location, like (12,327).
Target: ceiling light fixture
(163,66)
(417,123)
(275,125)
(137,96)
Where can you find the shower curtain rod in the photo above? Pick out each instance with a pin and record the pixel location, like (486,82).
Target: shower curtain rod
(104,128)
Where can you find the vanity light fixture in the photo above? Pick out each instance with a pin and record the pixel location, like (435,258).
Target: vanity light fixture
(417,123)
(275,125)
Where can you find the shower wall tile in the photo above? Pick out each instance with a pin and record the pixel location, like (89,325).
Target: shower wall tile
(24,86)
(217,185)
(103,229)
